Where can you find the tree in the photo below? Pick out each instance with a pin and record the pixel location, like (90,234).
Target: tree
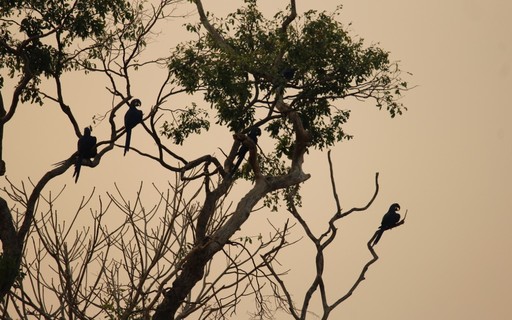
(161,261)
(39,40)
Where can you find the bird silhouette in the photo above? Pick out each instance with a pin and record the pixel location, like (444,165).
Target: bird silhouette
(288,73)
(86,148)
(132,118)
(253,134)
(390,219)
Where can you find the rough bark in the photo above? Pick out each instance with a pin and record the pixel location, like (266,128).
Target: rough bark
(12,249)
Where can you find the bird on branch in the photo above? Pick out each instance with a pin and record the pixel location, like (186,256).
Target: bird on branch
(86,148)
(132,118)
(253,134)
(288,73)
(390,220)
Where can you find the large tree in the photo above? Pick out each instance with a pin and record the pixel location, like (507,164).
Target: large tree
(284,76)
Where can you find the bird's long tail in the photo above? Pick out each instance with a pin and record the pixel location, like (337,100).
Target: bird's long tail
(238,162)
(128,138)
(377,238)
(78,165)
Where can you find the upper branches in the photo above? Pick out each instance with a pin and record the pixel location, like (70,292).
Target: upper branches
(310,62)
(38,39)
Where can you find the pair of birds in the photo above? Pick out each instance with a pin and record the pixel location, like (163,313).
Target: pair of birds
(86,148)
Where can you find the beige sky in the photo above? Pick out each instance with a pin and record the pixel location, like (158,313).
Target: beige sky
(447,161)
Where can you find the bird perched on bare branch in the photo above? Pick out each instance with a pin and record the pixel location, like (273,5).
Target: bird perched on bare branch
(390,220)
(132,118)
(253,134)
(86,148)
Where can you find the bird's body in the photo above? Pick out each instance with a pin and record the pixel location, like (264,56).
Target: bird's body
(253,134)
(390,219)
(86,148)
(131,119)
(288,73)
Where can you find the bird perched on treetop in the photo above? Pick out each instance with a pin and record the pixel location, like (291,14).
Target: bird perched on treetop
(288,73)
(86,148)
(253,134)
(390,219)
(132,118)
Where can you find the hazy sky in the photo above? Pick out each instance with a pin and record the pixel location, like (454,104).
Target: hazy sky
(447,161)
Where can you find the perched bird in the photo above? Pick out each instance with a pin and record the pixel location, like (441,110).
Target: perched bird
(132,118)
(288,73)
(390,219)
(253,134)
(86,150)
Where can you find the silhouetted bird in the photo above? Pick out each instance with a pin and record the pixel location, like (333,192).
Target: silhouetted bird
(253,134)
(390,219)
(86,150)
(132,118)
(288,73)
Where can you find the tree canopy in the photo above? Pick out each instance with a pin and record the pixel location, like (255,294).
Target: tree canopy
(327,65)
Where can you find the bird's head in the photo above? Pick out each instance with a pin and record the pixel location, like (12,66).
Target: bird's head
(135,103)
(394,207)
(87,131)
(288,73)
(255,132)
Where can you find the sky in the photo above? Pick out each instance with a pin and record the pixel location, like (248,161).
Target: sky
(446,161)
